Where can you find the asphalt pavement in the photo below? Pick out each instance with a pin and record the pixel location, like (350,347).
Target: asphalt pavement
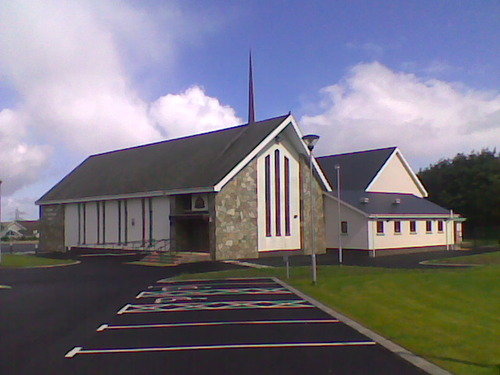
(105,316)
(48,314)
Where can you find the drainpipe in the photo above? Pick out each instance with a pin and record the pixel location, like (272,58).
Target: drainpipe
(372,234)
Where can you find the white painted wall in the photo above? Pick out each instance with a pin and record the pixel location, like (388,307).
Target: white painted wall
(70,225)
(395,178)
(134,223)
(91,223)
(274,242)
(357,236)
(161,218)
(391,240)
(111,221)
(161,221)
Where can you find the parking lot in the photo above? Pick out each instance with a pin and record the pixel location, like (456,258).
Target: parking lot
(244,326)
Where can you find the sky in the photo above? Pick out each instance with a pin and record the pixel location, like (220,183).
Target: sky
(90,76)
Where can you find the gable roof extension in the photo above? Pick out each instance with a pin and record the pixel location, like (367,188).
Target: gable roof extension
(362,167)
(391,204)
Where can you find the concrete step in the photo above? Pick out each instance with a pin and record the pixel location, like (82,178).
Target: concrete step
(176,258)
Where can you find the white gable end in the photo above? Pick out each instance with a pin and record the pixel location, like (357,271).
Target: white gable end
(396,176)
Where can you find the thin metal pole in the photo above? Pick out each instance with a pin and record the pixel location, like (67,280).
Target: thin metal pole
(337,167)
(313,253)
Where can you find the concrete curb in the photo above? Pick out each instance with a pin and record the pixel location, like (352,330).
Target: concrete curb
(246,264)
(417,361)
(47,266)
(457,265)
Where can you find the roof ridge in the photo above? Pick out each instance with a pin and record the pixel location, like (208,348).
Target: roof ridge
(245,130)
(184,137)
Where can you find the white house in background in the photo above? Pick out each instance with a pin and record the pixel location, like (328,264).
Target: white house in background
(18,229)
(383,205)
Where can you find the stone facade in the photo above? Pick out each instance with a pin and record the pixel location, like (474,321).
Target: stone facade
(52,228)
(318,210)
(236,216)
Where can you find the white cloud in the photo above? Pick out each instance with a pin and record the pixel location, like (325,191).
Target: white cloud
(13,207)
(192,112)
(20,162)
(66,66)
(71,66)
(428,119)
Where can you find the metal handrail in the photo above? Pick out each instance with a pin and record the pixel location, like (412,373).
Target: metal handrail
(162,245)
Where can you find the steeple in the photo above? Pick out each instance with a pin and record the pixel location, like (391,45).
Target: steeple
(251,104)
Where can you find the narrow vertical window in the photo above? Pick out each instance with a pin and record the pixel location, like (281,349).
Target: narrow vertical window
(288,229)
(143,220)
(98,214)
(413,226)
(277,192)
(119,222)
(79,205)
(84,223)
(344,228)
(440,226)
(397,227)
(125,209)
(380,227)
(267,172)
(150,204)
(104,222)
(428,226)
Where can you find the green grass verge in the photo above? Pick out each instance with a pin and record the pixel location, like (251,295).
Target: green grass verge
(449,317)
(20,261)
(478,259)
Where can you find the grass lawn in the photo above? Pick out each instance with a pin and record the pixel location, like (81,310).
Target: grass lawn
(479,259)
(18,261)
(449,316)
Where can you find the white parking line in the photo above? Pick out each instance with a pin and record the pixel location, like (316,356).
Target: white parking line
(80,350)
(105,327)
(123,309)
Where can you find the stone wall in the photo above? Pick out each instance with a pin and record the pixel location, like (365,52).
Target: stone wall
(318,210)
(236,216)
(52,228)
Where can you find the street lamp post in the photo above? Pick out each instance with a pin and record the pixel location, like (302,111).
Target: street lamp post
(310,141)
(337,168)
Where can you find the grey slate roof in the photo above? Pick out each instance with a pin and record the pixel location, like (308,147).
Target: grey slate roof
(357,169)
(198,161)
(384,203)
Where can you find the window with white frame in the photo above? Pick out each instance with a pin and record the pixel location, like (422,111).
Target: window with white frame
(344,228)
(428,226)
(413,227)
(380,227)
(397,227)
(440,226)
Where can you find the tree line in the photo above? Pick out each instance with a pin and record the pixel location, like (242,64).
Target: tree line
(468,184)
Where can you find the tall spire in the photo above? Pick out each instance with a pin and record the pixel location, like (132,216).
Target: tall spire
(251,104)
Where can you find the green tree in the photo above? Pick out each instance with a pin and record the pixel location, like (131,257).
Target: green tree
(468,184)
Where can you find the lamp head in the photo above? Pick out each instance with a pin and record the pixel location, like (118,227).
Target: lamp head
(310,140)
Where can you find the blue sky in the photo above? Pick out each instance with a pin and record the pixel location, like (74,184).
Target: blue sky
(81,77)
